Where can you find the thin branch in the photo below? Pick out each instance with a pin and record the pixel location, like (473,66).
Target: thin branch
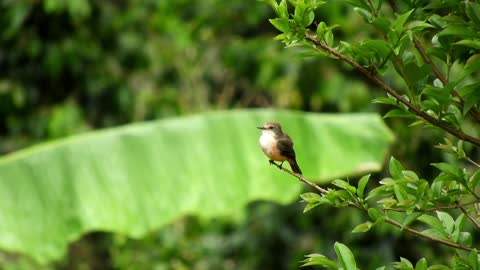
(429,61)
(374,78)
(387,219)
(441,77)
(310,183)
(472,219)
(441,207)
(372,7)
(302,178)
(394,6)
(429,237)
(474,113)
(471,161)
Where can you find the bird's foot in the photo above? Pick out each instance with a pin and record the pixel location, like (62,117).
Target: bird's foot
(274,163)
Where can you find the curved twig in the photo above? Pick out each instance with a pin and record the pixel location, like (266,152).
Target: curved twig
(474,113)
(377,80)
(387,219)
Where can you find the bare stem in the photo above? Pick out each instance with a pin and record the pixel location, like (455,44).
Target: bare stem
(372,7)
(473,162)
(387,88)
(429,237)
(310,183)
(441,207)
(303,179)
(472,219)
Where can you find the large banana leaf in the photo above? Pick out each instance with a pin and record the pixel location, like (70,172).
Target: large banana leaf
(135,178)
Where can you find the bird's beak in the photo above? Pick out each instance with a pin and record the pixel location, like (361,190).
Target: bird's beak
(260,127)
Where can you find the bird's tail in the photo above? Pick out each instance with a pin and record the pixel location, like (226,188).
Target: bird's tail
(294,166)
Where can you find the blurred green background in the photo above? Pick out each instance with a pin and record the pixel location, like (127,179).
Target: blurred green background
(68,67)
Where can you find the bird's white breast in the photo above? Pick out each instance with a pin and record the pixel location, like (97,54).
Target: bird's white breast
(267,143)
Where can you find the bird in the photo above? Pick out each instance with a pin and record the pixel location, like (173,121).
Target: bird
(277,145)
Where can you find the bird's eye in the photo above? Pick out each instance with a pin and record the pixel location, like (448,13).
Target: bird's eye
(270,127)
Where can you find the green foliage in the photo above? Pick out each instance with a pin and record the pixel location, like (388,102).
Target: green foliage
(344,255)
(73,66)
(423,55)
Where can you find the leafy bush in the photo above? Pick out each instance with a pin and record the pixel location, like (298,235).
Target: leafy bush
(424,55)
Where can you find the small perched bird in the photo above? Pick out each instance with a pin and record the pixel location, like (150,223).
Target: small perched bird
(277,145)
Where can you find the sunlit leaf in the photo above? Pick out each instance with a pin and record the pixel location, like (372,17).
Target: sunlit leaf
(364,227)
(319,259)
(136,178)
(345,256)
(362,183)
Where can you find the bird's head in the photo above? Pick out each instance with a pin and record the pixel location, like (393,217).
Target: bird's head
(271,127)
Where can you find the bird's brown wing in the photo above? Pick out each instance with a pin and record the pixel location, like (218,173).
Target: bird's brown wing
(285,145)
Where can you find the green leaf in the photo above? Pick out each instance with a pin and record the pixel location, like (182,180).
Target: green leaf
(367,15)
(358,3)
(416,76)
(411,218)
(380,47)
(460,221)
(465,239)
(137,178)
(281,24)
(447,221)
(418,25)
(400,192)
(404,264)
(401,20)
(386,100)
(321,29)
(473,12)
(459,31)
(471,94)
(272,3)
(310,197)
(364,227)
(308,19)
(319,259)
(421,264)
(474,179)
(460,152)
(395,168)
(345,256)
(329,38)
(436,233)
(440,94)
(449,169)
(344,185)
(433,222)
(382,23)
(410,176)
(373,213)
(458,227)
(300,9)
(473,259)
(362,183)
(388,202)
(380,191)
(421,189)
(398,113)
(310,206)
(475,44)
(283,9)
